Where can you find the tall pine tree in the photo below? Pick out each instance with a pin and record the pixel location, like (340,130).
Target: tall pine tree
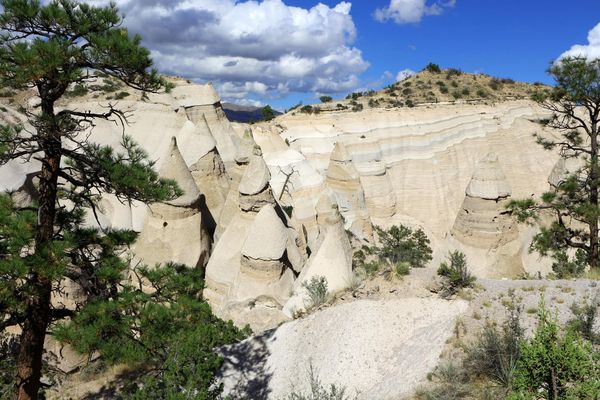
(572,239)
(50,48)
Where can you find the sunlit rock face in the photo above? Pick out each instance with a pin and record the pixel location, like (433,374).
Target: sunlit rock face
(413,166)
(175,230)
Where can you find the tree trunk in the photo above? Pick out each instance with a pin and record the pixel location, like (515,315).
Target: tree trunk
(37,318)
(593,225)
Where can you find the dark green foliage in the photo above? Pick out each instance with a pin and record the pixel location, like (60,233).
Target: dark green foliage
(495,84)
(357,107)
(409,103)
(585,319)
(8,354)
(456,273)
(465,92)
(51,47)
(433,68)
(121,95)
(556,366)
(407,91)
(307,109)
(325,99)
(288,209)
(168,328)
(398,248)
(574,201)
(267,113)
(450,72)
(495,353)
(444,89)
(482,93)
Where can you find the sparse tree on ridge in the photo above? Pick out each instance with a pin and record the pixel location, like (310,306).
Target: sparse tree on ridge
(574,202)
(49,48)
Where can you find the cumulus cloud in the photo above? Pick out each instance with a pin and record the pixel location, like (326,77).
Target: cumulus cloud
(264,48)
(404,74)
(590,51)
(411,11)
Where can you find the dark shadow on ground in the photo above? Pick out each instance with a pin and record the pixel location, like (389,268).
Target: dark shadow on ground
(245,372)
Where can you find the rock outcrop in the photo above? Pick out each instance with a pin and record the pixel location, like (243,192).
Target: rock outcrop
(174,230)
(351,345)
(331,259)
(482,220)
(344,180)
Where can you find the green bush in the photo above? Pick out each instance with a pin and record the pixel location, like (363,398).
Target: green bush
(556,366)
(585,319)
(398,247)
(316,292)
(495,84)
(121,95)
(325,99)
(409,103)
(456,273)
(77,91)
(495,353)
(307,109)
(433,68)
(482,93)
(450,72)
(450,384)
(357,107)
(407,91)
(444,89)
(465,92)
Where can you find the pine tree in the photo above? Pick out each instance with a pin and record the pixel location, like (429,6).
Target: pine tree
(575,201)
(50,48)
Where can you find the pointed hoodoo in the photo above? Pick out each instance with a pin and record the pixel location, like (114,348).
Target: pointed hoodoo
(255,190)
(332,258)
(482,220)
(488,181)
(175,168)
(174,230)
(344,180)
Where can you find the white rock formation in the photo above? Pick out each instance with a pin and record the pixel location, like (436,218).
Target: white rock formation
(364,346)
(174,230)
(331,259)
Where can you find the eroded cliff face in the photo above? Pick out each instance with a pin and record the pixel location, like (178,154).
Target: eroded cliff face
(268,206)
(414,166)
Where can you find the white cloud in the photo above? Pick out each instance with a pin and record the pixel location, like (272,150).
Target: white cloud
(405,73)
(411,11)
(590,51)
(264,48)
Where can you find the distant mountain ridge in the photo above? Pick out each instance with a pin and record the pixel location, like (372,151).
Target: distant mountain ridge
(241,113)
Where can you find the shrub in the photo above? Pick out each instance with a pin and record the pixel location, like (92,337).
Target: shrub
(407,91)
(482,93)
(433,68)
(456,94)
(454,84)
(450,72)
(585,319)
(307,109)
(409,103)
(496,351)
(555,366)
(397,248)
(444,89)
(495,84)
(373,103)
(340,106)
(466,92)
(357,107)
(325,99)
(77,91)
(316,292)
(397,271)
(318,391)
(456,273)
(121,95)
(450,384)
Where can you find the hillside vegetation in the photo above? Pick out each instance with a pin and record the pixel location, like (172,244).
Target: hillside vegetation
(431,85)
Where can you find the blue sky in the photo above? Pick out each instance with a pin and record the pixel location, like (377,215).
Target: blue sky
(280,52)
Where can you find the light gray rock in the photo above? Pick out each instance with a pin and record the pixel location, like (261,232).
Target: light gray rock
(268,236)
